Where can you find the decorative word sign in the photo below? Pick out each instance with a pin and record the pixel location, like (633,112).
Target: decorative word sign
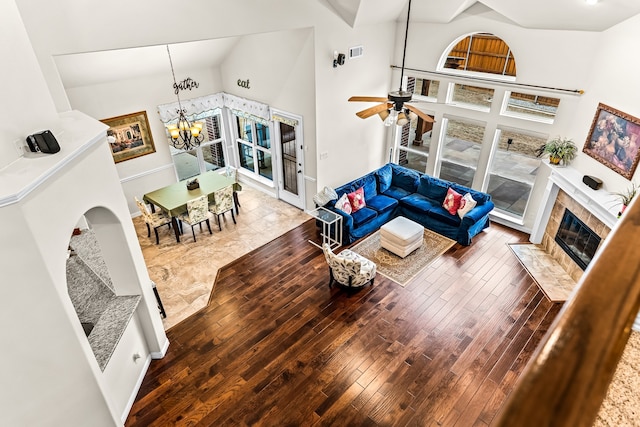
(187,83)
(243,83)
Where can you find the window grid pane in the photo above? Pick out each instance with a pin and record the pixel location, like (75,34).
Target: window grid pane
(532,106)
(461,152)
(513,171)
(472,95)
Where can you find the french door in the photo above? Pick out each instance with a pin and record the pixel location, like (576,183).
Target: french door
(290,158)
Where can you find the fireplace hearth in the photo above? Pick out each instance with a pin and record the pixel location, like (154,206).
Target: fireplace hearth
(576,239)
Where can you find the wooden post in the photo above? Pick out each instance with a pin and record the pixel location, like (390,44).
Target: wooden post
(568,376)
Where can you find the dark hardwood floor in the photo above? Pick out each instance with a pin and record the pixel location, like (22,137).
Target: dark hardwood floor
(277,347)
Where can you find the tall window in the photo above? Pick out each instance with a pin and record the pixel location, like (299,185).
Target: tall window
(485,133)
(461,151)
(208,156)
(513,170)
(254,147)
(414,149)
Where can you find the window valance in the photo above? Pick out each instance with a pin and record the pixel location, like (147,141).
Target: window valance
(286,120)
(205,105)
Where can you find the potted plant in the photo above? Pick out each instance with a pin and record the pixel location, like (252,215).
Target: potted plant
(559,150)
(626,196)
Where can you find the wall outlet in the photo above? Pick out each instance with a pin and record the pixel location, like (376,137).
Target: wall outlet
(20,146)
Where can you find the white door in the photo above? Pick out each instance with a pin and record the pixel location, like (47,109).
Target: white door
(288,136)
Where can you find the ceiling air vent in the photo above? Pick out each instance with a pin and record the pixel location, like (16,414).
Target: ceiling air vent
(355,52)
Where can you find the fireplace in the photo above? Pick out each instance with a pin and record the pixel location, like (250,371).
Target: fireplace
(576,239)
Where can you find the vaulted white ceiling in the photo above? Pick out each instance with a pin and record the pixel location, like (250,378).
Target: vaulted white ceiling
(113,65)
(542,14)
(91,68)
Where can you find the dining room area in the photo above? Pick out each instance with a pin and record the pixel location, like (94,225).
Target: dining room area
(184,268)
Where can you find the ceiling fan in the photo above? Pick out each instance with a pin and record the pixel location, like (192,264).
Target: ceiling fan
(395,106)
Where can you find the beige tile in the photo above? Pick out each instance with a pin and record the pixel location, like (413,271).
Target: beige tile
(546,271)
(185,272)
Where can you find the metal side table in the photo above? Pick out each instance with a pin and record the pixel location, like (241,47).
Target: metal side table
(331,227)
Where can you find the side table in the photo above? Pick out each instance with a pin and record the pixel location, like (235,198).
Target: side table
(331,227)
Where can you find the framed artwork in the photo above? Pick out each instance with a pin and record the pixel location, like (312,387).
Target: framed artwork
(129,136)
(614,140)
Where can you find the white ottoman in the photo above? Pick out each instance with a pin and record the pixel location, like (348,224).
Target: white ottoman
(401,236)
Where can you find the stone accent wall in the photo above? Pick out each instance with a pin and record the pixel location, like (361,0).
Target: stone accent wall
(564,201)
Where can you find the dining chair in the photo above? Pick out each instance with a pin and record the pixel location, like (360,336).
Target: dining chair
(222,203)
(196,214)
(153,219)
(236,187)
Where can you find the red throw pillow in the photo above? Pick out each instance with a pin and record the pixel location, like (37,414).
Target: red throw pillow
(452,201)
(357,199)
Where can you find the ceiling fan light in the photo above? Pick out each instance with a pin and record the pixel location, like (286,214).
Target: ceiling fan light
(402,119)
(383,115)
(391,118)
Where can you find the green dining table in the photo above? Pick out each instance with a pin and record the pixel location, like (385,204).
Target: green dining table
(173,198)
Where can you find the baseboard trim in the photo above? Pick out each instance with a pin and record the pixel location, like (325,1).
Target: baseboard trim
(136,389)
(163,351)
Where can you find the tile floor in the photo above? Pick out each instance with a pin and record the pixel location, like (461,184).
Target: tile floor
(184,272)
(554,281)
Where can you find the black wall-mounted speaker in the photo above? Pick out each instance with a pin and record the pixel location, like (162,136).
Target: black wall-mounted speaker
(43,142)
(592,181)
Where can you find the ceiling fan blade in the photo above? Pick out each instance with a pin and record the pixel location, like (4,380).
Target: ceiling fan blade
(424,116)
(373,110)
(368,99)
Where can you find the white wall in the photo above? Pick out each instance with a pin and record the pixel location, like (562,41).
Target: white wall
(45,346)
(352,146)
(25,98)
(146,173)
(614,83)
(280,69)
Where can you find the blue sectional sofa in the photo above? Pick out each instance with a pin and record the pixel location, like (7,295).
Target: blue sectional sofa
(394,190)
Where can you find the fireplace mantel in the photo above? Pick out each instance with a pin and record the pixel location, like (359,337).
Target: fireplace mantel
(600,203)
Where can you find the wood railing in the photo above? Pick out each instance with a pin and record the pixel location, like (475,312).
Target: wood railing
(567,377)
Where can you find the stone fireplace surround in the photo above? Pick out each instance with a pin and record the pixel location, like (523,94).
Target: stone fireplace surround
(598,209)
(565,190)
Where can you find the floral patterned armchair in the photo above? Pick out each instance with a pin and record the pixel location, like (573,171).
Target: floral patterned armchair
(348,268)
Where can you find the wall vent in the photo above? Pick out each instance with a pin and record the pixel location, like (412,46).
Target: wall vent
(355,52)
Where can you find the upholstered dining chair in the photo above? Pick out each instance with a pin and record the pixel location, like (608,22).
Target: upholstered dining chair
(153,219)
(222,203)
(196,214)
(349,268)
(236,187)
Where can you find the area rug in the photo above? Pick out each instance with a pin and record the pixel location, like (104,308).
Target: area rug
(398,269)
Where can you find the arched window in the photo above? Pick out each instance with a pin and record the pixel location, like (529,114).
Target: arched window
(481,53)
